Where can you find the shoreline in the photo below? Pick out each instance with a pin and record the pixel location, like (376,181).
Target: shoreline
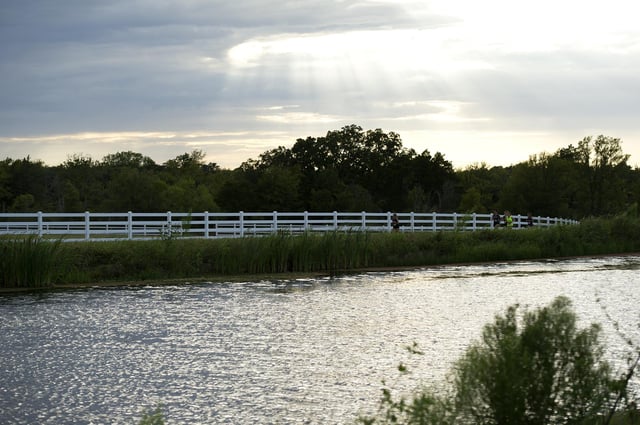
(275,276)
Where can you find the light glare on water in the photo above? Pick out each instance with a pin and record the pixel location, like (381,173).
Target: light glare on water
(302,351)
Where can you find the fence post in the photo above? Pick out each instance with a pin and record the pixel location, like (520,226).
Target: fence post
(335,220)
(364,221)
(305,220)
(206,224)
(87,224)
(130,225)
(40,224)
(473,223)
(412,221)
(434,223)
(275,222)
(241,223)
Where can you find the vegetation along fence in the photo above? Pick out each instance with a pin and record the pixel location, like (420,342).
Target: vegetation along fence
(129,225)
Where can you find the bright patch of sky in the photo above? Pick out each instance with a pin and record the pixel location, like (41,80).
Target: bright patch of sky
(493,81)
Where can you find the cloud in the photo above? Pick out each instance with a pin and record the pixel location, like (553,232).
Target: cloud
(439,72)
(223,148)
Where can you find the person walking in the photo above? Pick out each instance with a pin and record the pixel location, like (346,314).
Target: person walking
(508,220)
(395,223)
(495,218)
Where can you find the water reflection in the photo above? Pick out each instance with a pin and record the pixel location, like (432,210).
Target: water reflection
(295,351)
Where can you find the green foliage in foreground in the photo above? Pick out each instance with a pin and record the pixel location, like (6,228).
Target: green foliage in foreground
(32,262)
(539,370)
(155,417)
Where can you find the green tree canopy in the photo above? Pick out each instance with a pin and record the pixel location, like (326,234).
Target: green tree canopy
(349,169)
(127,159)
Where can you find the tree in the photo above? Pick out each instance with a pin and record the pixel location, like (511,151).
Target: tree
(5,191)
(355,198)
(278,157)
(602,167)
(322,190)
(471,201)
(238,192)
(543,184)
(576,181)
(69,198)
(313,154)
(433,173)
(133,189)
(347,169)
(88,179)
(475,185)
(127,159)
(29,180)
(609,165)
(187,160)
(23,203)
(278,189)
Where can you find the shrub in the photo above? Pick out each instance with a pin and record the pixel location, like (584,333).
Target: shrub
(540,369)
(547,372)
(155,417)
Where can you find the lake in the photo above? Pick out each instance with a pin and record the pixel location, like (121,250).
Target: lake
(305,351)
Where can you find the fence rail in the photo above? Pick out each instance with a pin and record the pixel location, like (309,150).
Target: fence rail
(129,225)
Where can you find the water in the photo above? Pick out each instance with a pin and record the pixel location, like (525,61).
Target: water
(276,352)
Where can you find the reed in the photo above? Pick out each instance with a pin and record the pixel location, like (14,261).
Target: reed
(28,262)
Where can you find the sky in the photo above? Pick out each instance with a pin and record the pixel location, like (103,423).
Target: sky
(492,81)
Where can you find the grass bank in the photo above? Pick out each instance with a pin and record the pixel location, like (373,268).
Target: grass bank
(72,263)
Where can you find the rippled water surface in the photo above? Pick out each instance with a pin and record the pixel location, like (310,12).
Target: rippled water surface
(285,352)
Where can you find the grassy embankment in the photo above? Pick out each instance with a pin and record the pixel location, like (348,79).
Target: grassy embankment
(34,263)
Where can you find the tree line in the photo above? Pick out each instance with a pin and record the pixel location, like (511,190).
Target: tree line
(349,169)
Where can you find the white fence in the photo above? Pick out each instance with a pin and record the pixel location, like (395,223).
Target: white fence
(129,225)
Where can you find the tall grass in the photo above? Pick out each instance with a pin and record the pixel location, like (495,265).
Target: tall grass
(28,262)
(332,252)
